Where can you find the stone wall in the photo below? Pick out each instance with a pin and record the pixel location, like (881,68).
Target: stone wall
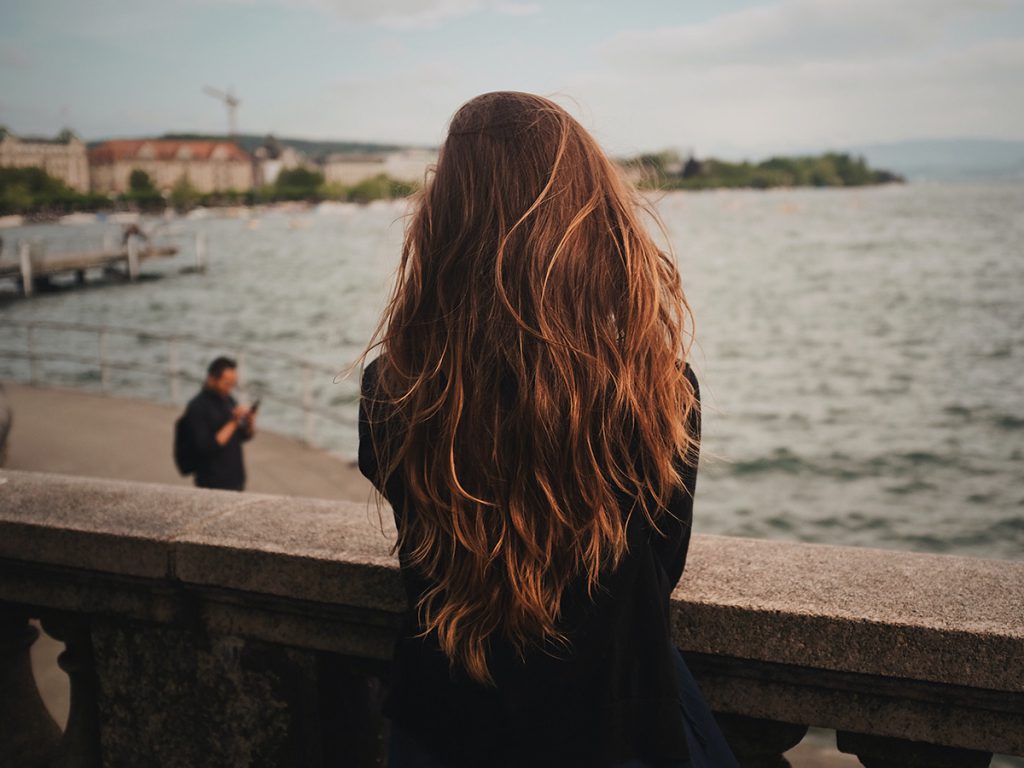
(213,628)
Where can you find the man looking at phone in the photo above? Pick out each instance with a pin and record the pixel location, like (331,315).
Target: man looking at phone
(217,427)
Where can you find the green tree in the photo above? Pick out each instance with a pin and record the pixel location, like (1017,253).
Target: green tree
(184,196)
(32,190)
(140,183)
(832,169)
(298,184)
(380,187)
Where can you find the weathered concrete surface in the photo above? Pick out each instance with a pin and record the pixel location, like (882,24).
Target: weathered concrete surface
(225,702)
(99,525)
(329,552)
(75,433)
(943,618)
(939,618)
(895,617)
(309,549)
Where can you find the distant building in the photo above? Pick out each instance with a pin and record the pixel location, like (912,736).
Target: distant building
(348,168)
(403,165)
(211,166)
(410,164)
(272,157)
(63,158)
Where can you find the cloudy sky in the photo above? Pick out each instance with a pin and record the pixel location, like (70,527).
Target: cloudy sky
(727,77)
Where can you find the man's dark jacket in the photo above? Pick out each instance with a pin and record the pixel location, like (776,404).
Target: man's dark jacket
(218,466)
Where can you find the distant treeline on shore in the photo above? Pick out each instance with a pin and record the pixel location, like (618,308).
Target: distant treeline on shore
(34,193)
(667,170)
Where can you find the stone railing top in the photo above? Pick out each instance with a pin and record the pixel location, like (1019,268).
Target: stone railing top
(310,549)
(941,618)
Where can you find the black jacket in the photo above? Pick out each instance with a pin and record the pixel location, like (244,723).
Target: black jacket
(219,466)
(614,698)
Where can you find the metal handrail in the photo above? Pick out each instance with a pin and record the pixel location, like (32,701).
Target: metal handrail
(171,370)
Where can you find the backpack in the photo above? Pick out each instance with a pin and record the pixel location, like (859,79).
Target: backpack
(185,458)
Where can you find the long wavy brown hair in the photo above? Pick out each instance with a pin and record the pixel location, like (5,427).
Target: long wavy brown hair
(531,367)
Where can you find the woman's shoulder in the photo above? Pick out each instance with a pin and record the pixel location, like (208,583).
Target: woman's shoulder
(370,373)
(370,383)
(691,377)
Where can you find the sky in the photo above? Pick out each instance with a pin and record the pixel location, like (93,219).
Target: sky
(729,77)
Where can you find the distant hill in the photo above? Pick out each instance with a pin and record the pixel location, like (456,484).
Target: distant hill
(947,159)
(313,148)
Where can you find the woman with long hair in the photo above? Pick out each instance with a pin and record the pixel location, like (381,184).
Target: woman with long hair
(534,422)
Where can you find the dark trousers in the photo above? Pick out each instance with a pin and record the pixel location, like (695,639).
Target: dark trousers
(707,746)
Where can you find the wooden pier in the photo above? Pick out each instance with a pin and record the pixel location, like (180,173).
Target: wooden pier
(32,269)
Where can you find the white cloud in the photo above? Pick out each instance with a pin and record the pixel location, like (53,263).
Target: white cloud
(799,74)
(402,14)
(14,56)
(795,30)
(409,14)
(804,105)
(518,9)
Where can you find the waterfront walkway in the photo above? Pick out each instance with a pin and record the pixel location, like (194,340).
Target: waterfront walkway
(74,433)
(68,432)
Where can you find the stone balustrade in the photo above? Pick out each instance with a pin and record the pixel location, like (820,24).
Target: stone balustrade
(213,628)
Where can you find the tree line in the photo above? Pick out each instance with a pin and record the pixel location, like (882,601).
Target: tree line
(667,170)
(33,192)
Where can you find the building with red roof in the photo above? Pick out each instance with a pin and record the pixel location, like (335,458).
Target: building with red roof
(210,166)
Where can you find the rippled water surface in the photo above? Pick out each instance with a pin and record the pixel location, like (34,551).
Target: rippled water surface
(860,352)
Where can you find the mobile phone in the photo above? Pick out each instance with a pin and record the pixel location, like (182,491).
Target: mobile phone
(255,406)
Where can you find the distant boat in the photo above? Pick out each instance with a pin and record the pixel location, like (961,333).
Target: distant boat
(331,207)
(78,218)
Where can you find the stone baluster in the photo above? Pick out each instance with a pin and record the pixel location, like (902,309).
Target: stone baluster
(28,734)
(759,743)
(80,746)
(892,752)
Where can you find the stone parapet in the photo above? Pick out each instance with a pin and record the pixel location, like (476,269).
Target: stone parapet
(215,628)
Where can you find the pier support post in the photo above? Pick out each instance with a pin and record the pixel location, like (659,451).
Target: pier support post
(25,257)
(133,258)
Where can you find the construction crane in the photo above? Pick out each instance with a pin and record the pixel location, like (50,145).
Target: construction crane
(231,102)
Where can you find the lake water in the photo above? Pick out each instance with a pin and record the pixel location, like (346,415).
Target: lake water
(860,351)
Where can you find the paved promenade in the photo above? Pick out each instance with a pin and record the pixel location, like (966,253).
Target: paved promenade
(57,430)
(68,432)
